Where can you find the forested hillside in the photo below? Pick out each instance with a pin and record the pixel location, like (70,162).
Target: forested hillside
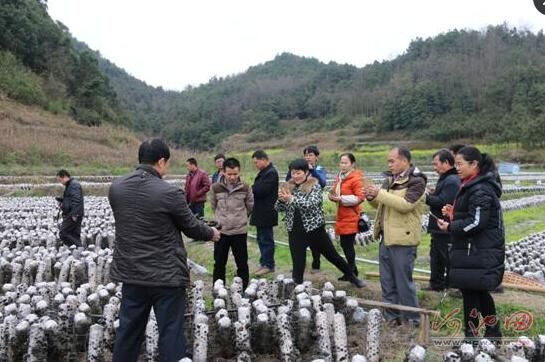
(484,85)
(39,65)
(487,85)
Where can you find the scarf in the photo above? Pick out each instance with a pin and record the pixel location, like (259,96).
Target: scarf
(341,177)
(465,181)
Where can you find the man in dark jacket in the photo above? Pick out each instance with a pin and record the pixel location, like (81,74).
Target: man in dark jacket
(445,191)
(197,185)
(72,207)
(264,216)
(149,256)
(218,161)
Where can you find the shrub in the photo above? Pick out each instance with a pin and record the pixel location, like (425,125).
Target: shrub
(18,82)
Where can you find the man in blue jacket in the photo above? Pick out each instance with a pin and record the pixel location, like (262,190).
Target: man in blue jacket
(72,207)
(444,193)
(317,171)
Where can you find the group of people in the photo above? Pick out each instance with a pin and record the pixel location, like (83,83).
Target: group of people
(233,201)
(466,227)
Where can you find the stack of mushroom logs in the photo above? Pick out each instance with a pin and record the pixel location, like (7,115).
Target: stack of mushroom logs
(527,257)
(58,302)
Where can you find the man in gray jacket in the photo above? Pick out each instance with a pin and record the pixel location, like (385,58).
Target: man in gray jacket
(232,201)
(149,256)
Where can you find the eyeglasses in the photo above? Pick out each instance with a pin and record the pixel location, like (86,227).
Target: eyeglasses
(460,164)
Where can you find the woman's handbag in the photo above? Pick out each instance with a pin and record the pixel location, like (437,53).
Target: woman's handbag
(363,223)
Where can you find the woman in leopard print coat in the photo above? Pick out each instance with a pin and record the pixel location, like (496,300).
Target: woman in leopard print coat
(301,201)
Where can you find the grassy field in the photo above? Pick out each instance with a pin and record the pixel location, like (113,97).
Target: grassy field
(508,303)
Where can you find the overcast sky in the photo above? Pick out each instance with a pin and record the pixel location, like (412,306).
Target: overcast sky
(175,43)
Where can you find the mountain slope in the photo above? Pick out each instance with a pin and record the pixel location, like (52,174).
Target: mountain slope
(34,140)
(487,85)
(484,85)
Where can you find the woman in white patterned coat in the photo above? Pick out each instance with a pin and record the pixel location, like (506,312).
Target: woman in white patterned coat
(301,200)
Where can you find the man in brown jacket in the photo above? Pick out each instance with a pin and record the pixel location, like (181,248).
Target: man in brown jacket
(232,201)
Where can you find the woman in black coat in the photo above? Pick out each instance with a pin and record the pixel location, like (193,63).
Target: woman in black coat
(478,240)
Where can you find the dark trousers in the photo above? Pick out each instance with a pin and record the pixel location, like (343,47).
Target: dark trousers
(315,257)
(70,231)
(197,208)
(439,261)
(480,302)
(347,243)
(168,306)
(265,240)
(396,279)
(238,245)
(318,239)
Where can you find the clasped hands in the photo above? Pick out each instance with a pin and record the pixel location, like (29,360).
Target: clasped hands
(284,195)
(216,235)
(371,191)
(447,212)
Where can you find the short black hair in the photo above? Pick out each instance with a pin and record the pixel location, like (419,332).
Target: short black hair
(445,155)
(260,155)
(218,156)
(231,162)
(404,152)
(311,149)
(152,150)
(350,156)
(192,161)
(63,173)
(298,164)
(456,148)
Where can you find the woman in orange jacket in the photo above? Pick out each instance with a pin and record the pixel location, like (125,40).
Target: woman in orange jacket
(348,193)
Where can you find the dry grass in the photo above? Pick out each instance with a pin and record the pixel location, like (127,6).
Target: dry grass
(35,141)
(24,129)
(296,139)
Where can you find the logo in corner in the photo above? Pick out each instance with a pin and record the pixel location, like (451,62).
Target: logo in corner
(540,6)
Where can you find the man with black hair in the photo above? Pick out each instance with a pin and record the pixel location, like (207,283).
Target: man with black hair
(444,193)
(317,171)
(72,206)
(455,148)
(197,185)
(218,161)
(398,226)
(264,216)
(149,255)
(232,201)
